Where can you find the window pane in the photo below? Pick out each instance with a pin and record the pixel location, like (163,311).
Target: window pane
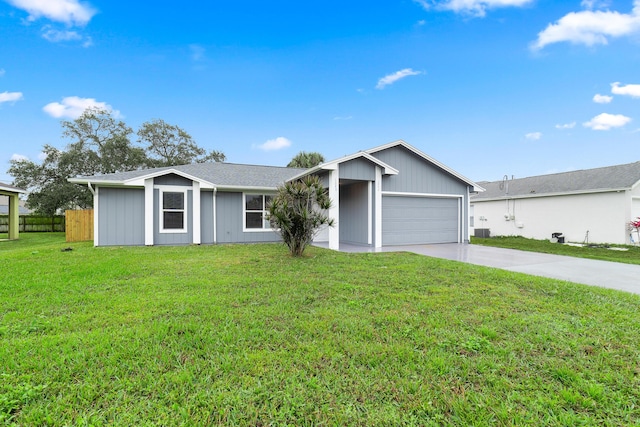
(254,220)
(254,203)
(173,220)
(173,200)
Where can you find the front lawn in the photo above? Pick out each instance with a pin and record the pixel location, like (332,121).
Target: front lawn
(629,254)
(247,335)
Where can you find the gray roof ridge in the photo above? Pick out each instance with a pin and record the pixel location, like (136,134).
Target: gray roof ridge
(565,172)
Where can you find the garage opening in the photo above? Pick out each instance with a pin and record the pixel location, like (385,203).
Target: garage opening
(411,220)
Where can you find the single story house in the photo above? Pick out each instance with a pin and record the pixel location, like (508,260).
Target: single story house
(592,205)
(388,195)
(4,206)
(12,194)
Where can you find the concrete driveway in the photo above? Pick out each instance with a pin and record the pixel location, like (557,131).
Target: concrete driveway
(613,275)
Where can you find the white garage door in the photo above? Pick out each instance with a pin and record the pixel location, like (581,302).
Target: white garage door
(419,220)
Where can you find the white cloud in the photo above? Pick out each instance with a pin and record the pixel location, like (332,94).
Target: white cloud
(602,99)
(476,8)
(56,36)
(590,27)
(10,96)
(392,78)
(630,90)
(607,121)
(72,107)
(197,52)
(18,158)
(70,12)
(2,72)
(533,136)
(275,144)
(566,125)
(594,4)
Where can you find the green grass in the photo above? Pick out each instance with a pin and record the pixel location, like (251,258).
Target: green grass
(247,335)
(601,252)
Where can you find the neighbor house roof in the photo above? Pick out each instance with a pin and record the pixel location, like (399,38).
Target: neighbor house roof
(610,178)
(4,207)
(212,175)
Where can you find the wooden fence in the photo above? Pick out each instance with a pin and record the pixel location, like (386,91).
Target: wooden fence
(33,223)
(79,225)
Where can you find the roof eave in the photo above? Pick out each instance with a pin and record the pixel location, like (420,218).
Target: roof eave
(556,194)
(333,165)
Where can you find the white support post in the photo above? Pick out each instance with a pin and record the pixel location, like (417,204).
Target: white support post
(148,212)
(197,238)
(334,211)
(215,224)
(96,216)
(369,212)
(378,208)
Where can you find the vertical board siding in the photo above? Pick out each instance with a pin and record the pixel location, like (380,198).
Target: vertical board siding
(360,169)
(79,225)
(324,179)
(172,179)
(206,217)
(416,175)
(121,219)
(229,211)
(354,220)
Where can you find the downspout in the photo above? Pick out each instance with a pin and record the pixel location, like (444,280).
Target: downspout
(215,235)
(91,188)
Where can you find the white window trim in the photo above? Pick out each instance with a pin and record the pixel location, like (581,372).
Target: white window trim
(173,189)
(244,213)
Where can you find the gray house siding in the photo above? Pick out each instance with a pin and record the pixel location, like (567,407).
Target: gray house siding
(354,221)
(417,175)
(172,179)
(324,179)
(121,216)
(206,217)
(359,169)
(229,211)
(172,238)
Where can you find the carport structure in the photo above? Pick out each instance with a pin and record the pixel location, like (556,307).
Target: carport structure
(14,214)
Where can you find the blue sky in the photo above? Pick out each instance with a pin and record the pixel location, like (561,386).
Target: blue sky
(493,87)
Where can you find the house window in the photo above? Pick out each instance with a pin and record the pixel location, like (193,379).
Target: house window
(173,211)
(255,212)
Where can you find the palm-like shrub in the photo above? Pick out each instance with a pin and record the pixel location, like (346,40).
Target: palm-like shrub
(297,211)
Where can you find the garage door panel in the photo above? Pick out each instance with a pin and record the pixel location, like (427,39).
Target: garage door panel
(419,220)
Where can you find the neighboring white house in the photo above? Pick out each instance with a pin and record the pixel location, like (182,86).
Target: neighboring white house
(593,205)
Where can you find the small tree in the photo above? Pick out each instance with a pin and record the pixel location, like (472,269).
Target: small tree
(306,160)
(297,211)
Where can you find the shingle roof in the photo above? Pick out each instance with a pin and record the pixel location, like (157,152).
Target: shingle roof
(218,174)
(609,178)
